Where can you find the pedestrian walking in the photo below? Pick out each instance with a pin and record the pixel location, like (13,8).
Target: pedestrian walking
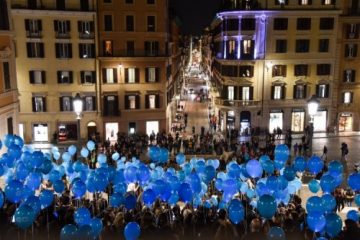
(324,155)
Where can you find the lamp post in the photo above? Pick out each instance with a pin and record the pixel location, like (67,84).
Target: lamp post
(313,105)
(78,108)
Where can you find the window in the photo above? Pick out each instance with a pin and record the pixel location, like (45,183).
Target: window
(281,2)
(108,23)
(33,28)
(89,103)
(84,5)
(349,75)
(328,2)
(6,71)
(129,1)
(66,104)
(231,49)
(10,127)
(4,17)
(247,49)
(131,75)
(302,45)
(230,93)
(31,4)
(301,70)
(35,49)
(37,77)
(131,102)
(60,4)
(280,23)
(350,50)
(323,69)
(248,24)
(229,70)
(281,46)
(62,28)
(130,48)
(322,90)
(299,91)
(111,106)
(39,104)
(152,101)
(323,45)
(151,23)
(326,23)
(304,2)
(352,30)
(246,71)
(347,97)
(277,92)
(88,77)
(64,77)
(152,74)
(109,75)
(279,71)
(303,24)
(150,1)
(63,50)
(107,1)
(132,127)
(86,29)
(86,50)
(245,94)
(129,23)
(151,48)
(231,24)
(108,48)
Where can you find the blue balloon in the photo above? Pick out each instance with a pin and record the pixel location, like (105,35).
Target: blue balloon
(327,183)
(14,191)
(8,140)
(185,193)
(333,224)
(174,198)
(18,141)
(154,154)
(289,173)
(149,197)
(268,167)
(164,155)
(82,216)
(115,156)
(180,158)
(68,232)
(354,181)
(282,152)
(195,182)
(78,189)
(2,198)
(85,232)
(96,226)
(299,164)
(315,165)
(24,216)
(314,186)
(72,150)
(101,158)
(34,203)
(236,211)
(316,221)
(84,152)
(335,167)
(21,172)
(315,204)
(209,174)
(46,198)
(132,231)
(46,167)
(143,174)
(37,159)
(59,186)
(0,144)
(56,155)
(14,151)
(116,200)
(130,174)
(267,206)
(273,183)
(66,157)
(250,193)
(357,200)
(90,145)
(130,202)
(352,215)
(276,233)
(100,181)
(230,186)
(329,202)
(254,169)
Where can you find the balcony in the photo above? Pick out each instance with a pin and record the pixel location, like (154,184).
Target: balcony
(236,103)
(84,35)
(138,53)
(37,34)
(353,11)
(62,35)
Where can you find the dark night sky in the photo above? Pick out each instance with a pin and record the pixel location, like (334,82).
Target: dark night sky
(195,15)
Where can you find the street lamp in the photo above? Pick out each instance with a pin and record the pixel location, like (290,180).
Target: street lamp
(78,108)
(313,105)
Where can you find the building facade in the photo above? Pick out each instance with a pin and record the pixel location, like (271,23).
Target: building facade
(133,65)
(349,65)
(56,58)
(9,105)
(269,58)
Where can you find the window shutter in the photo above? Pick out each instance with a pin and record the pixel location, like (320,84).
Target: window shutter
(240,93)
(27,24)
(79,26)
(116,106)
(283,92)
(33,104)
(146,74)
(317,90)
(126,98)
(55,25)
(92,54)
(137,75)
(94,103)
(344,76)
(115,75)
(28,49)
(147,101)
(81,50)
(31,75)
(44,103)
(355,50)
(346,51)
(225,92)
(105,110)
(305,91)
(70,50)
(272,92)
(71,77)
(351,97)
(353,72)
(41,45)
(327,90)
(294,92)
(157,101)
(68,26)
(92,26)
(343,97)
(39,22)
(137,100)
(104,75)
(57,50)
(59,77)
(126,75)
(236,89)
(251,93)
(43,77)
(93,77)
(157,74)
(82,77)
(60,104)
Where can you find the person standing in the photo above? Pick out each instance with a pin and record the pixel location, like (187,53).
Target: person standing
(324,155)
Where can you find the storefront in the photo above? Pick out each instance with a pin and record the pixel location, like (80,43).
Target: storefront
(245,122)
(297,120)
(67,131)
(320,120)
(230,119)
(345,122)
(276,120)
(111,130)
(41,132)
(152,127)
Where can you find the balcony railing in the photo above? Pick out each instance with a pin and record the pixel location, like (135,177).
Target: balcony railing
(37,34)
(86,35)
(62,35)
(138,53)
(236,103)
(43,7)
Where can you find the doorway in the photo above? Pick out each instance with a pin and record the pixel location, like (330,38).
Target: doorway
(91,129)
(245,122)
(345,122)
